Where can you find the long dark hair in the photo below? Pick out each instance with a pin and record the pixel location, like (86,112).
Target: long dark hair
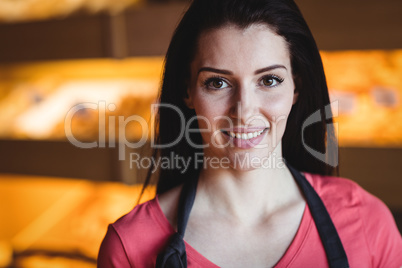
(283,17)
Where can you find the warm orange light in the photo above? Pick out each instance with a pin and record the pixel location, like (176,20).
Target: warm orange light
(62,215)
(368,85)
(35,97)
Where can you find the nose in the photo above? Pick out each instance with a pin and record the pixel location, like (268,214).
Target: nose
(244,105)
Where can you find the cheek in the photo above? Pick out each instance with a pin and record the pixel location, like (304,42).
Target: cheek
(277,108)
(210,109)
(205,115)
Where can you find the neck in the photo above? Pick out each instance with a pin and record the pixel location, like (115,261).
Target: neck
(247,195)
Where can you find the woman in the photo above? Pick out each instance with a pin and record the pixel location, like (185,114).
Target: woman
(251,73)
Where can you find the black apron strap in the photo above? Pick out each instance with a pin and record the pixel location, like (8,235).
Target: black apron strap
(174,255)
(329,236)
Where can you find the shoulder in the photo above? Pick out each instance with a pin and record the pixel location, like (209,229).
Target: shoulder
(137,236)
(112,252)
(363,221)
(139,217)
(337,192)
(342,195)
(145,222)
(328,186)
(341,191)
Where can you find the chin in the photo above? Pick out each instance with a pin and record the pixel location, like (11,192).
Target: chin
(247,161)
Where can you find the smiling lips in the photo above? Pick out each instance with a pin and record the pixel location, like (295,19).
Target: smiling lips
(245,138)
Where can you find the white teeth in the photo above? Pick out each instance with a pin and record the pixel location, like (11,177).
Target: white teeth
(245,136)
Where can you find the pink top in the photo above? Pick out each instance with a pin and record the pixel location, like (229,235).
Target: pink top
(364,224)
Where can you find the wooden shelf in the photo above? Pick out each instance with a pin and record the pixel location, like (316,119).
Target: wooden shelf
(141,31)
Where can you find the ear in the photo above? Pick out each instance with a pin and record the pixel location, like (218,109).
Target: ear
(295,96)
(188,100)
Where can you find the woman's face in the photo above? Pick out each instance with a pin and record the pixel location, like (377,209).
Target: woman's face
(242,90)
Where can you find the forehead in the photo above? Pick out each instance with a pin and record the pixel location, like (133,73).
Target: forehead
(231,47)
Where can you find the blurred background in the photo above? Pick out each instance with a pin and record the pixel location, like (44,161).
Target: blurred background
(72,72)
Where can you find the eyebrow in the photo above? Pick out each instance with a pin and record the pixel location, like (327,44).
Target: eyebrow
(262,70)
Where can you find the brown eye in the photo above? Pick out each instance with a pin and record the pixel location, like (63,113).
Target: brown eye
(268,81)
(217,83)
